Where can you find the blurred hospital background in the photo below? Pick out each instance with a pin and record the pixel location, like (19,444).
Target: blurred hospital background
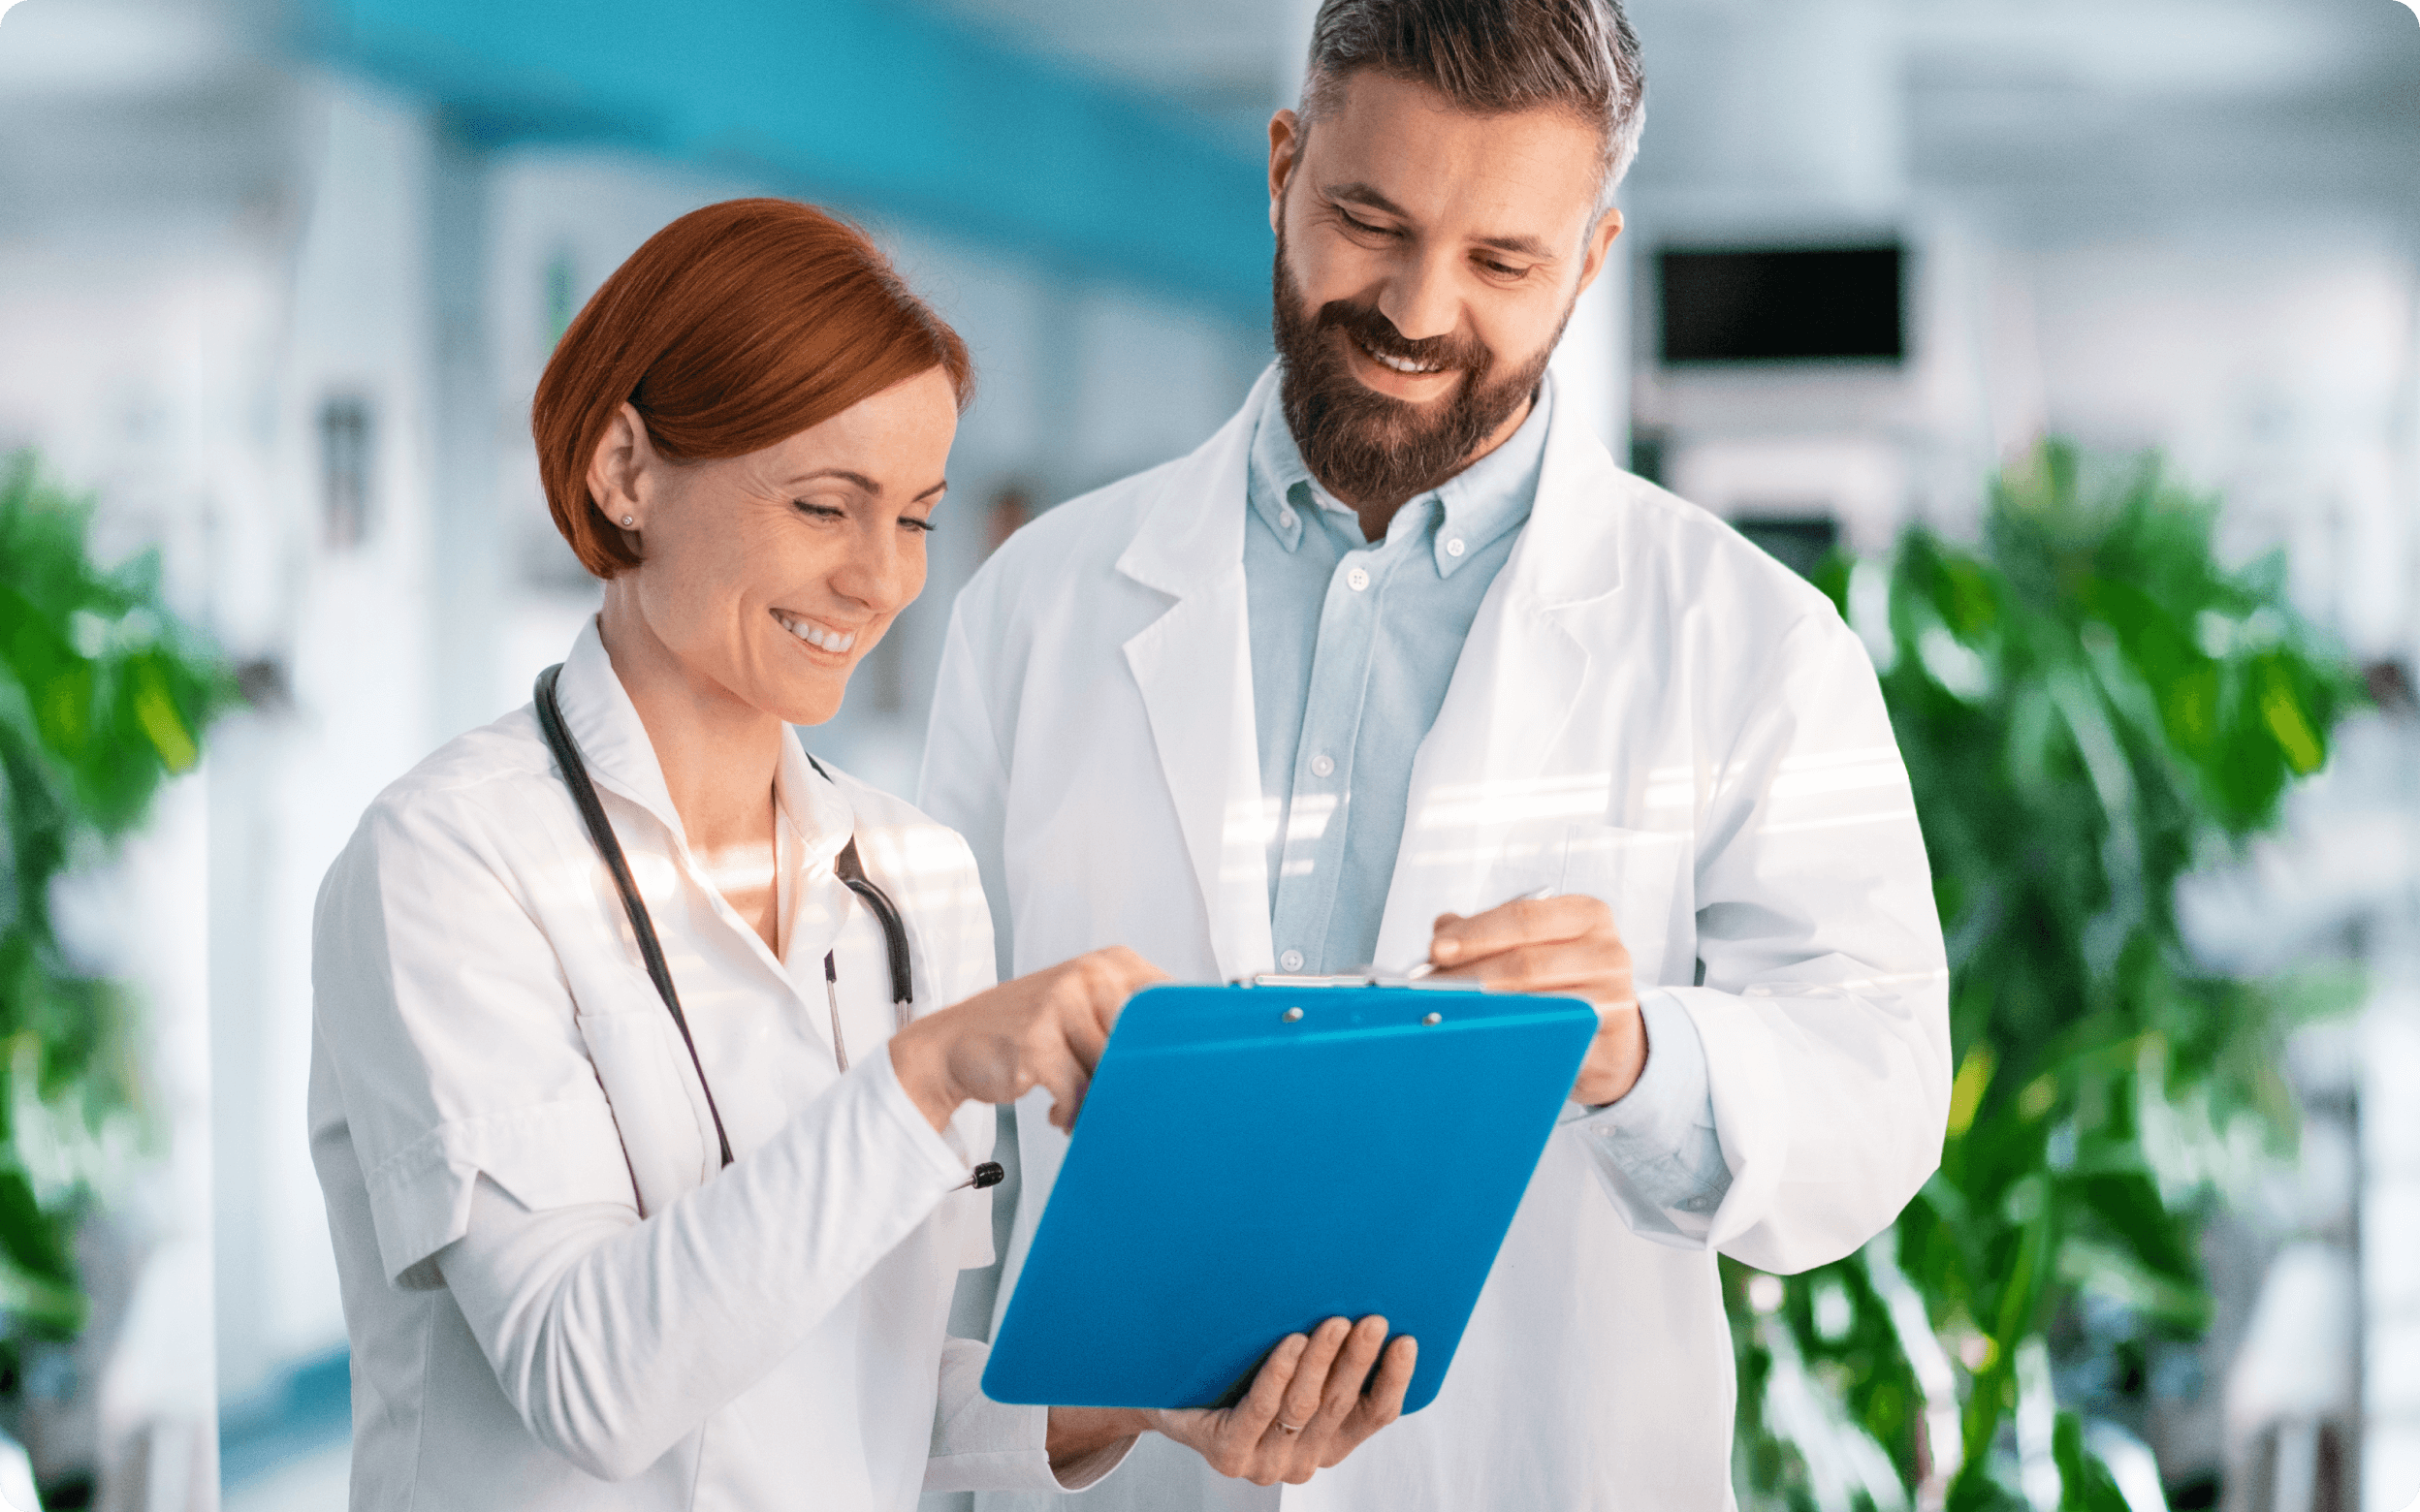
(277,282)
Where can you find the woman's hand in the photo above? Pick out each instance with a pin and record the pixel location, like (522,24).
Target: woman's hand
(1045,1030)
(1306,1410)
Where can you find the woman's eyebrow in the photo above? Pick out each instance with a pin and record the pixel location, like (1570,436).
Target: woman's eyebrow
(858,479)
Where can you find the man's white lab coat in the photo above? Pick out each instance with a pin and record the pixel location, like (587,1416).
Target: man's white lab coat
(1648,709)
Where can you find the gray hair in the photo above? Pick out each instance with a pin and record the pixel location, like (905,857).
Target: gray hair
(1491,57)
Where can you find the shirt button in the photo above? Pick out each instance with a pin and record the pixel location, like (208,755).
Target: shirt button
(1322,765)
(1453,547)
(1286,517)
(1359,579)
(1291,960)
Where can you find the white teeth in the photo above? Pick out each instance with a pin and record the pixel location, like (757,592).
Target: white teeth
(815,635)
(1400,365)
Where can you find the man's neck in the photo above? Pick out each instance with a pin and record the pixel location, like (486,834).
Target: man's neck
(1376,515)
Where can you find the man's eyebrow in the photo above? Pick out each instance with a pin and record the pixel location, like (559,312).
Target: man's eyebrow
(1519,246)
(1357,193)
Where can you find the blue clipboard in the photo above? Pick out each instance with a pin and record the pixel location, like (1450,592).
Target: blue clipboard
(1253,1160)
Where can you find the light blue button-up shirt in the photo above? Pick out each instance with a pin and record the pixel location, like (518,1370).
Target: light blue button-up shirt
(1353,644)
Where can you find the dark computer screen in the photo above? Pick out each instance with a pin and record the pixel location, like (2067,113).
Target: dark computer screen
(1791,304)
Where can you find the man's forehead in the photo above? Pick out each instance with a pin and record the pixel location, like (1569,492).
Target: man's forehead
(1402,147)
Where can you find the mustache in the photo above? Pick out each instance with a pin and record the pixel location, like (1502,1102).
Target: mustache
(1377,333)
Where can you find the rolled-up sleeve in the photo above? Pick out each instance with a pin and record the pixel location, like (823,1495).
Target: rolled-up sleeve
(449,1027)
(979,1444)
(1656,1148)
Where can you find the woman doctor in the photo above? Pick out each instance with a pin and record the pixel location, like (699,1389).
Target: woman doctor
(658,1203)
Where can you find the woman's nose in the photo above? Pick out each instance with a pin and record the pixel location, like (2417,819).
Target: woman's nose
(877,571)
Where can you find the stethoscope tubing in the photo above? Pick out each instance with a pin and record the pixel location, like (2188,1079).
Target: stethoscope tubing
(850,869)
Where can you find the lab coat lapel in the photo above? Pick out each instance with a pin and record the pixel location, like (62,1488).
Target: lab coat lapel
(1485,801)
(1193,666)
(605,725)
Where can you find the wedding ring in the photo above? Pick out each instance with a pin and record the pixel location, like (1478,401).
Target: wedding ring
(1290,1428)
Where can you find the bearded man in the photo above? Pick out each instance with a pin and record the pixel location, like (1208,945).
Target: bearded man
(1400,667)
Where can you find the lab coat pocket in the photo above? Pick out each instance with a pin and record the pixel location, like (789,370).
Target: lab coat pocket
(666,1133)
(1645,878)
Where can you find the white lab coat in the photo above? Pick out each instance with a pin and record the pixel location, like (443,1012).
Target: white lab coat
(1648,709)
(663,1334)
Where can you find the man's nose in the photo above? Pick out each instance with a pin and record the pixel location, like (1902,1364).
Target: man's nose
(1420,300)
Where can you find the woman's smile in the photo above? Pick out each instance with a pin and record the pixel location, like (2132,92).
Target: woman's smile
(816,634)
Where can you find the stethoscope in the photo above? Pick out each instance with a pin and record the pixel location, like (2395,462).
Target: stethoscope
(847,865)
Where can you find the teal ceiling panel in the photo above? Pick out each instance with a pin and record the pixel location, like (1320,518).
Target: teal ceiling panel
(880,108)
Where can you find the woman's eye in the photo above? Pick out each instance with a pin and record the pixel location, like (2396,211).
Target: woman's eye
(920,527)
(819,511)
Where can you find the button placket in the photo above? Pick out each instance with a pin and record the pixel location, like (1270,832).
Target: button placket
(1305,887)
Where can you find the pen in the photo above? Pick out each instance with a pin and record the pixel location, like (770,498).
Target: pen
(1428,967)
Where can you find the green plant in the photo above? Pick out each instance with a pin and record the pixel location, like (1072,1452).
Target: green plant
(103,693)
(2089,705)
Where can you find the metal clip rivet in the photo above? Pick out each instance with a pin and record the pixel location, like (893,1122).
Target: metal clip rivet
(1434,1018)
(1293,1016)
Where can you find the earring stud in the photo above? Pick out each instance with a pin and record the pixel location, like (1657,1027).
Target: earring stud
(627,521)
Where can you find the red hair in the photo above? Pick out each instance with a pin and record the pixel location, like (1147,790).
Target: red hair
(733,328)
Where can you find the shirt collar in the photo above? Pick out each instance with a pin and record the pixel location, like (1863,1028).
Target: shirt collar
(1466,512)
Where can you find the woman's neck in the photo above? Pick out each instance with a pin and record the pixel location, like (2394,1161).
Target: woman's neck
(719,754)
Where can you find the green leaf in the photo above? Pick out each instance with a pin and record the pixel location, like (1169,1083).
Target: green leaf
(157,712)
(2085,1481)
(2281,710)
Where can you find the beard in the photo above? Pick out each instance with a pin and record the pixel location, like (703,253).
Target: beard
(1369,448)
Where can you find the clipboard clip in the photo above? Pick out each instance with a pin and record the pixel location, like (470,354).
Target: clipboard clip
(1416,977)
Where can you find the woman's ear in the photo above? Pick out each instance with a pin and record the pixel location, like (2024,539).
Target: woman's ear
(619,474)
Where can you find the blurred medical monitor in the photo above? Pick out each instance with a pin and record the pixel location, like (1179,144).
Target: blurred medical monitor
(1781,304)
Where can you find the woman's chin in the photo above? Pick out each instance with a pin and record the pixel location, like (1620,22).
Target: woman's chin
(797,710)
(808,699)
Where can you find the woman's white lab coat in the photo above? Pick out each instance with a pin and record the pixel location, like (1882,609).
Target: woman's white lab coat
(555,1298)
(1648,709)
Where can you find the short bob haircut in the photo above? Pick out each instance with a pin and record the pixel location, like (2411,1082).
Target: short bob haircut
(735,326)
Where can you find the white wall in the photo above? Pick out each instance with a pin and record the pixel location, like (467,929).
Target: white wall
(2274,360)
(349,627)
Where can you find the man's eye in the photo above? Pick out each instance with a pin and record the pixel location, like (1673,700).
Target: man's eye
(1355,223)
(1502,271)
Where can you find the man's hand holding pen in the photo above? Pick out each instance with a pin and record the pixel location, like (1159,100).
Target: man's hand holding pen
(1565,945)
